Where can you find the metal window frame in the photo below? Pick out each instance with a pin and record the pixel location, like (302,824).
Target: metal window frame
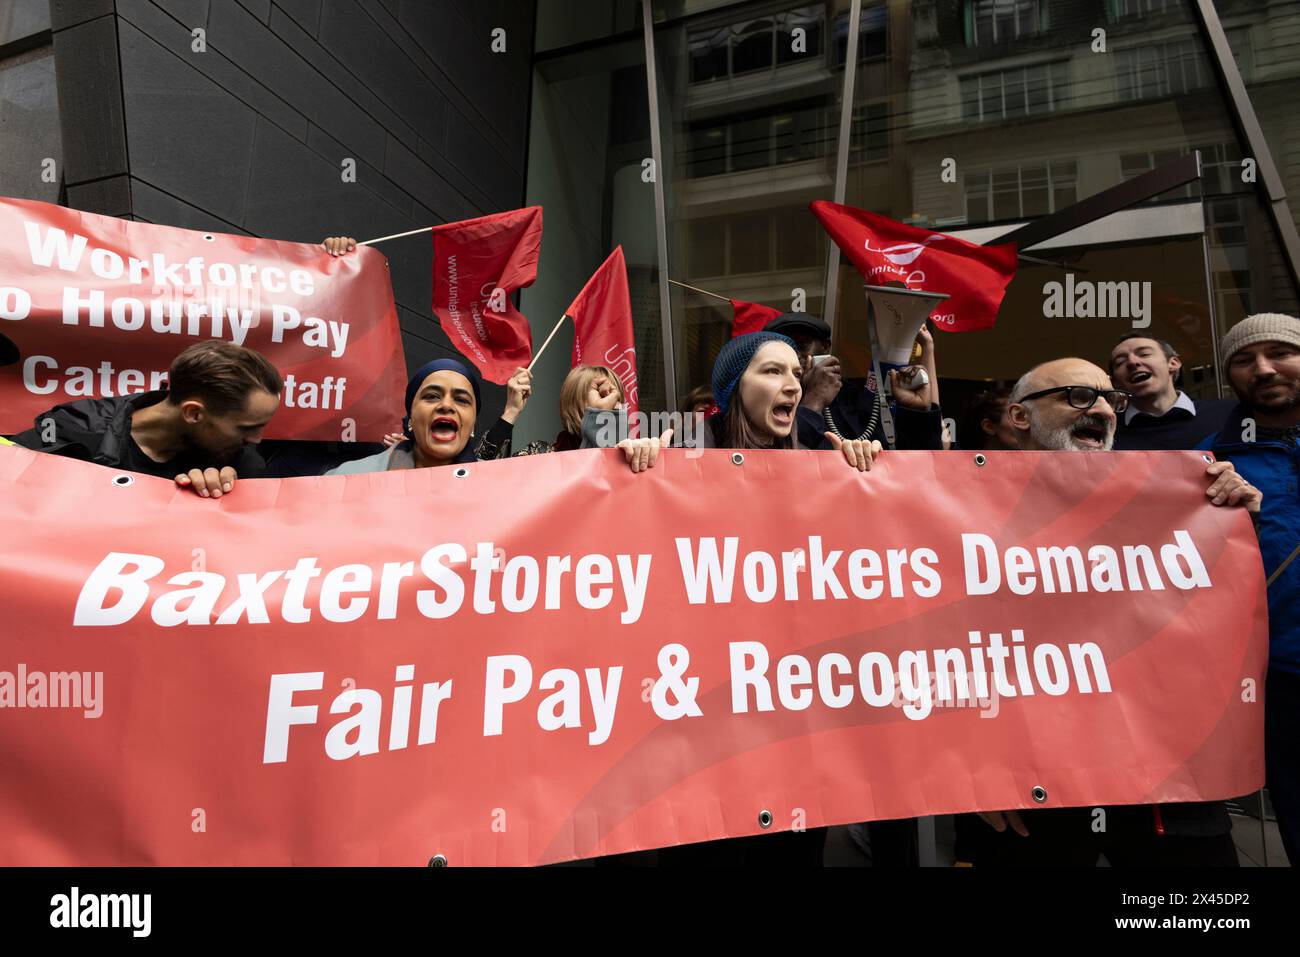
(831,286)
(1250,133)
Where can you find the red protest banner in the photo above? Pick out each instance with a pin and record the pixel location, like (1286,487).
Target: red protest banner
(616,661)
(98,306)
(602,324)
(477,265)
(886,251)
(750,317)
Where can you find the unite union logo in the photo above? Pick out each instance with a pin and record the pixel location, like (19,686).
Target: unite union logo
(903,254)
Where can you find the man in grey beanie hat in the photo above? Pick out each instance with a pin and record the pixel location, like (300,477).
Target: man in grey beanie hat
(1262,361)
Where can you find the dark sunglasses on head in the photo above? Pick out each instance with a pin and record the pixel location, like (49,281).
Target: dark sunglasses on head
(1085,396)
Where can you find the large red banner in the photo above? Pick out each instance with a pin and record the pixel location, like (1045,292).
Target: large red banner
(529,661)
(96,306)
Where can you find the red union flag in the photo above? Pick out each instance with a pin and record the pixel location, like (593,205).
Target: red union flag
(602,324)
(477,265)
(750,317)
(886,251)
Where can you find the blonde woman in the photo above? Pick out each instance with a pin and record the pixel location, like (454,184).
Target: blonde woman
(588,397)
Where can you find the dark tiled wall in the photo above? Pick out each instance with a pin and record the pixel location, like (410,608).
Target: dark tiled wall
(249,136)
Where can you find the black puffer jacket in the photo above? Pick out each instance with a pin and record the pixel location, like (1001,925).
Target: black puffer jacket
(99,430)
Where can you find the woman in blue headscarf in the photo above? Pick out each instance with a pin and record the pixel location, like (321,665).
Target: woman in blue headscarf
(442,403)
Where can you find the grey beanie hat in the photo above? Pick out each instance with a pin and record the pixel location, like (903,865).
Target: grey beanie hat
(1261,327)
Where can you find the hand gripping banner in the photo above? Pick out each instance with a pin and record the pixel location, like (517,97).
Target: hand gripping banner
(529,661)
(93,306)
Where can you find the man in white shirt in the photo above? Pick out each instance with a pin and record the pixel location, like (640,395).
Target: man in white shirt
(1160,415)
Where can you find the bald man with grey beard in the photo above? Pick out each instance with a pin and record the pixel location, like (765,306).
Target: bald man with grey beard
(1069,405)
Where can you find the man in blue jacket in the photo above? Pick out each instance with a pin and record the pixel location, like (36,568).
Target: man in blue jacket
(1263,366)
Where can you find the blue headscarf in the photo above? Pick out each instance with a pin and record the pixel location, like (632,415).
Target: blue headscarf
(417,380)
(734,358)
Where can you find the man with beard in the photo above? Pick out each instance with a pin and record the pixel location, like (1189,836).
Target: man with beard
(1159,415)
(200,431)
(1263,366)
(1070,405)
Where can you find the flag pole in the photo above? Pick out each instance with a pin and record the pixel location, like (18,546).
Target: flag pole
(383,239)
(699,290)
(539,352)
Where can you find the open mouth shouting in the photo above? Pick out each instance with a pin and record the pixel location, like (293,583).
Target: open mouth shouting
(444,430)
(1137,377)
(1090,432)
(783,416)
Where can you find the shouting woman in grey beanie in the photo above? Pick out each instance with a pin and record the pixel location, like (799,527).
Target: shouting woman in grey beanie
(756,387)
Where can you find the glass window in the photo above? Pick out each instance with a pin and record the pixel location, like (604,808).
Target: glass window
(781,122)
(873,34)
(796,136)
(707,151)
(808,19)
(561,23)
(1166,69)
(1006,194)
(751,144)
(870,133)
(584,166)
(708,55)
(796,238)
(1008,94)
(977,197)
(998,21)
(1137,8)
(1059,72)
(1033,189)
(970,98)
(1035,196)
(751,46)
(1085,122)
(1065,188)
(751,245)
(1243,51)
(1014,93)
(991,96)
(706,241)
(1039,89)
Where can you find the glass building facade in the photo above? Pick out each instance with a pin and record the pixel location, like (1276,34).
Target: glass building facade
(696,133)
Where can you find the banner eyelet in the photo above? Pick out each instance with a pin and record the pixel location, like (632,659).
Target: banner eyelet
(122,480)
(1039,793)
(765,819)
(208,237)
(980,459)
(1208,458)
(737,458)
(438,860)
(461,472)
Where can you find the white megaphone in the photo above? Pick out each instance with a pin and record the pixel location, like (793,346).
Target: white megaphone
(895,316)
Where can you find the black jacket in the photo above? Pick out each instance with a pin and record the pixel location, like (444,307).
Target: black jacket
(99,430)
(851,412)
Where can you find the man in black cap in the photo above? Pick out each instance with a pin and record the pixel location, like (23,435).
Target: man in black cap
(849,408)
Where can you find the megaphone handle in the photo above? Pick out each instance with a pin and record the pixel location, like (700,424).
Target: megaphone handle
(882,384)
